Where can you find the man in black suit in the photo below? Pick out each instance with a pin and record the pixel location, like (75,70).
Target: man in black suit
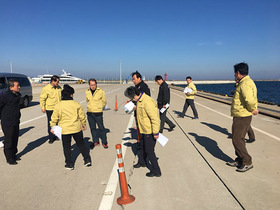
(163,101)
(10,115)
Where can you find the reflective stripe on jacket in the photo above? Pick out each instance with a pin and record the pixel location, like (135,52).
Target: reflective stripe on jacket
(147,115)
(70,116)
(96,101)
(49,97)
(245,98)
(193,87)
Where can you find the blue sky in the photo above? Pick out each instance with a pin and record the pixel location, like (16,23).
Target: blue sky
(201,38)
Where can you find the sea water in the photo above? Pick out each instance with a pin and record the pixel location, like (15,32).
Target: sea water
(267,90)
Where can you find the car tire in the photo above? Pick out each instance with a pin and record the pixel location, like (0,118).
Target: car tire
(25,101)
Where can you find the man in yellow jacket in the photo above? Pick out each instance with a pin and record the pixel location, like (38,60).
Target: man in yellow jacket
(244,105)
(49,97)
(190,99)
(71,117)
(149,125)
(96,101)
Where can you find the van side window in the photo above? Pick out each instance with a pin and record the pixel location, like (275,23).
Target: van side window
(23,82)
(3,84)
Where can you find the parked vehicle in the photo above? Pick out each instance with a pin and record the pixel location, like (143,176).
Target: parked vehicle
(25,86)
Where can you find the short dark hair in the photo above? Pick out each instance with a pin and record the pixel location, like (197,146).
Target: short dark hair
(131,91)
(92,80)
(188,77)
(158,77)
(54,78)
(11,82)
(243,68)
(67,91)
(137,74)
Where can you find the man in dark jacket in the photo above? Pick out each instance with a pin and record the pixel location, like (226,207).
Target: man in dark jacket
(163,101)
(139,83)
(10,115)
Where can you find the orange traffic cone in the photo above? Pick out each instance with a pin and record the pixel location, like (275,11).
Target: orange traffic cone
(116,103)
(125,198)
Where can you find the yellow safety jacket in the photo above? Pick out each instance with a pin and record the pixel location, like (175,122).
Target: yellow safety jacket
(147,115)
(97,101)
(191,86)
(70,116)
(49,97)
(244,100)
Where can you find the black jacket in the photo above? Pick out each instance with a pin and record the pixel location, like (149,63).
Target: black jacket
(163,95)
(10,108)
(143,87)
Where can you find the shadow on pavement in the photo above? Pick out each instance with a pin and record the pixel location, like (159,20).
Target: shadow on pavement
(179,113)
(217,128)
(212,147)
(32,145)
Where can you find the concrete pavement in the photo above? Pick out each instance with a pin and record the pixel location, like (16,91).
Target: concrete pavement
(194,174)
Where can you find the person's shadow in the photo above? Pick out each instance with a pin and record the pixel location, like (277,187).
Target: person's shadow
(21,132)
(212,147)
(32,145)
(217,128)
(179,113)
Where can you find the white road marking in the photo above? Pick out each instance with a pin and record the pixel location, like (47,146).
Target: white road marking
(257,129)
(109,193)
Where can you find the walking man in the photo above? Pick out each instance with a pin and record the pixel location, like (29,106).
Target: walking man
(71,117)
(163,101)
(10,115)
(190,99)
(244,105)
(96,101)
(49,97)
(149,125)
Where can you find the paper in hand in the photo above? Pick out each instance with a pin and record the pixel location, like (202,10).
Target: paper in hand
(162,140)
(128,108)
(187,90)
(57,131)
(163,109)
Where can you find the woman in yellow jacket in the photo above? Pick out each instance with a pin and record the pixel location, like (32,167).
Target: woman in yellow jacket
(71,118)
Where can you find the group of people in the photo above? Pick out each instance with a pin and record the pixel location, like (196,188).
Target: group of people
(150,116)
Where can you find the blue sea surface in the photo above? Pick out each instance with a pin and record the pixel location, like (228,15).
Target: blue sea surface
(267,90)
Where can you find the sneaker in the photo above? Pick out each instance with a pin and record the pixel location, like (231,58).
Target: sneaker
(87,163)
(139,165)
(12,162)
(180,116)
(195,118)
(233,164)
(96,144)
(1,144)
(51,141)
(151,174)
(69,166)
(244,168)
(172,127)
(250,140)
(105,146)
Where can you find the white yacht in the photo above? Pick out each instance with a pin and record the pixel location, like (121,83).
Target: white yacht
(64,78)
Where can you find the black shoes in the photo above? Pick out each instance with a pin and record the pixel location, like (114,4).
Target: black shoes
(139,165)
(172,127)
(12,162)
(151,174)
(87,163)
(51,141)
(69,166)
(195,118)
(180,116)
(250,140)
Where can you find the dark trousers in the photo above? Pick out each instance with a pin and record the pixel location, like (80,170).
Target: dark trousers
(93,119)
(66,143)
(240,127)
(49,116)
(251,133)
(148,150)
(10,141)
(189,102)
(164,119)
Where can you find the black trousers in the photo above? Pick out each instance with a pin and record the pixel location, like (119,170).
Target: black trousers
(164,119)
(189,102)
(148,150)
(10,141)
(93,119)
(49,116)
(66,143)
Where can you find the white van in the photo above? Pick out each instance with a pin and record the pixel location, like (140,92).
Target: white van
(25,86)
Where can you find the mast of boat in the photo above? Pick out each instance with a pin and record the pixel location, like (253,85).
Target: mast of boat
(11,66)
(120,72)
